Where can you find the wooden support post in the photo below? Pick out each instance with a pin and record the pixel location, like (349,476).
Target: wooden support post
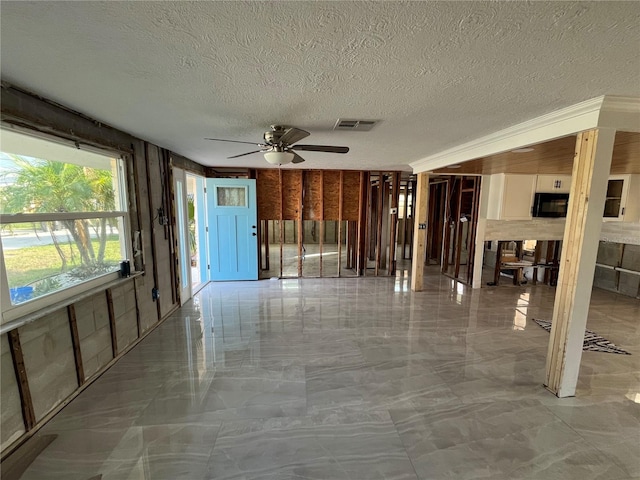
(28,414)
(75,341)
(112,323)
(420,232)
(591,167)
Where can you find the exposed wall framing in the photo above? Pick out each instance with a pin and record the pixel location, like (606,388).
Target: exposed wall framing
(334,199)
(89,331)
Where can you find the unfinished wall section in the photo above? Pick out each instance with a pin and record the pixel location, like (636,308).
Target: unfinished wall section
(49,356)
(94,333)
(11,422)
(316,211)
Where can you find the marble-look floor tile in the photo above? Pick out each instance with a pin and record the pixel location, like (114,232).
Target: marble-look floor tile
(244,392)
(502,439)
(336,446)
(355,379)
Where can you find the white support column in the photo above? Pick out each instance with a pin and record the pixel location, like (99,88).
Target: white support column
(591,167)
(483,210)
(420,232)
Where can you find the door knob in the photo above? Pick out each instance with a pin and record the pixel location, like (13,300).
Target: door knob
(253,226)
(254,234)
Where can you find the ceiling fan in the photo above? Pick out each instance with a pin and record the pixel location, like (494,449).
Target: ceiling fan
(279,149)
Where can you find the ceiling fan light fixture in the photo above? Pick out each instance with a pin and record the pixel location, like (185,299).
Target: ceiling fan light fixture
(279,158)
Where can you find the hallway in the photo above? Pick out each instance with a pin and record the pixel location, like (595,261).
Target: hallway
(354,378)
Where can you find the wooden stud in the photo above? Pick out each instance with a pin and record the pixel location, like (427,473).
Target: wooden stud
(321,194)
(420,234)
(135,294)
(413,216)
(591,168)
(496,271)
(458,231)
(112,323)
(361,261)
(299,224)
(380,207)
(403,191)
(75,341)
(281,220)
(340,208)
(384,229)
(536,261)
(267,264)
(28,414)
(395,200)
(170,229)
(154,254)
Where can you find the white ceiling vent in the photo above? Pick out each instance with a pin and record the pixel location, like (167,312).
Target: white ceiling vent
(355,125)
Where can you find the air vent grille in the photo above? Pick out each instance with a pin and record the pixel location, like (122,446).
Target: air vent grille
(355,125)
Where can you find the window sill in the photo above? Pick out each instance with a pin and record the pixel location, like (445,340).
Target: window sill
(33,316)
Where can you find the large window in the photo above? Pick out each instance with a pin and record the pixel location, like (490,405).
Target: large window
(63,220)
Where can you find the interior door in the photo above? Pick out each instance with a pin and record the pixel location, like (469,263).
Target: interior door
(233,229)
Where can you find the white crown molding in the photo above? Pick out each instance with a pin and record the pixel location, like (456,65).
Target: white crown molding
(621,113)
(566,121)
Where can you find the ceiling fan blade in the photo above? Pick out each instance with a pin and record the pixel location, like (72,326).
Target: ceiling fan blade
(297,158)
(293,135)
(321,148)
(233,141)
(243,154)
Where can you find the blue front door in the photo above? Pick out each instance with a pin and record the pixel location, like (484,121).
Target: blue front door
(233,232)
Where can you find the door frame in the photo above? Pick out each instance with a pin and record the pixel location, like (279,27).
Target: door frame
(181,234)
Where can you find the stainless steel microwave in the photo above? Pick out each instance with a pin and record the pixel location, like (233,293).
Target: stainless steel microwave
(550,205)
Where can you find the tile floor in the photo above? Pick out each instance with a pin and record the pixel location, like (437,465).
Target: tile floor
(355,379)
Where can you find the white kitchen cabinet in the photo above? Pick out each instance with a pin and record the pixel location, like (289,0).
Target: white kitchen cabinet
(553,184)
(511,196)
(622,202)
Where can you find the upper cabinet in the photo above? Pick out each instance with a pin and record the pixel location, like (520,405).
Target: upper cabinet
(511,196)
(553,184)
(622,202)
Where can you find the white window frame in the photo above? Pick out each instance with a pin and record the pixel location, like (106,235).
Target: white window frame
(12,312)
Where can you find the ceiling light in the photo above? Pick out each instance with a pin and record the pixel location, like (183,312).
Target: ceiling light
(453,166)
(279,158)
(523,150)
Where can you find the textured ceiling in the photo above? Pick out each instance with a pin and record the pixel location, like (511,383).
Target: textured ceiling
(437,74)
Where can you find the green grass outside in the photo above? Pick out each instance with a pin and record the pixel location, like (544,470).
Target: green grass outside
(29,264)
